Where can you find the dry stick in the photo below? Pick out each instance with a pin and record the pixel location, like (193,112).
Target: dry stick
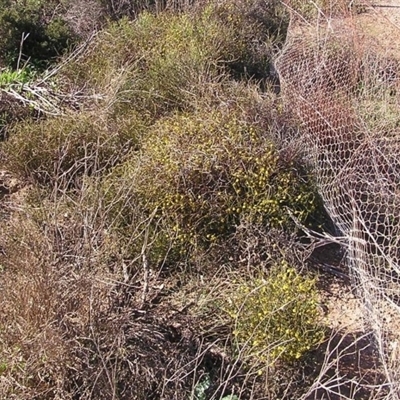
(21,45)
(324,238)
(146,270)
(103,358)
(71,57)
(35,104)
(292,11)
(332,383)
(44,102)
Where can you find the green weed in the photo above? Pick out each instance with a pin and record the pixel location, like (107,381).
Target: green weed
(21,77)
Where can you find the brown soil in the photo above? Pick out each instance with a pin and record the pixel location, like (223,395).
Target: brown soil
(381,24)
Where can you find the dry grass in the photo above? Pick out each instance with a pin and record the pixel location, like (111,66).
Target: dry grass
(60,150)
(73,325)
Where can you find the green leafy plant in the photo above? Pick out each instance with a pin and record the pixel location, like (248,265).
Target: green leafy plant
(201,388)
(9,76)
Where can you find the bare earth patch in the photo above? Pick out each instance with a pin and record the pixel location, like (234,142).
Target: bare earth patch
(381,24)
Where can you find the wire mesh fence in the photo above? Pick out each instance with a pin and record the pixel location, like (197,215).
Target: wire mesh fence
(346,98)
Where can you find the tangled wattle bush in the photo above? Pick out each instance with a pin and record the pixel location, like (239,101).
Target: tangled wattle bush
(277,317)
(198,175)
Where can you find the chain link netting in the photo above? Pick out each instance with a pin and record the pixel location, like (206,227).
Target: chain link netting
(347,100)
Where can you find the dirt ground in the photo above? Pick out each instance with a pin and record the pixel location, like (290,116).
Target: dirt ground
(381,23)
